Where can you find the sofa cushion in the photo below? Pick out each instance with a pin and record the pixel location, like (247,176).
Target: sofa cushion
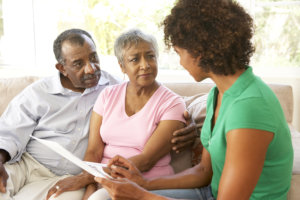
(296,146)
(10,87)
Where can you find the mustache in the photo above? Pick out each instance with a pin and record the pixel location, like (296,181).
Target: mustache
(91,76)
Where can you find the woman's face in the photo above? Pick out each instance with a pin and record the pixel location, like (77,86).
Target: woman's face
(190,64)
(140,64)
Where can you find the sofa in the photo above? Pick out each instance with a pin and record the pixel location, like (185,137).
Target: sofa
(195,95)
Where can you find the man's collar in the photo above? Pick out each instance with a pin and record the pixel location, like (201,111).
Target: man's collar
(54,85)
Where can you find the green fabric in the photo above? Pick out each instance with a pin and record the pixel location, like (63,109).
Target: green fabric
(250,103)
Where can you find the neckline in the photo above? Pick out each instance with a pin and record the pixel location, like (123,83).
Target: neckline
(144,107)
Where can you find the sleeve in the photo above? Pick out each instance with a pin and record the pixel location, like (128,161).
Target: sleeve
(174,108)
(16,125)
(251,113)
(100,102)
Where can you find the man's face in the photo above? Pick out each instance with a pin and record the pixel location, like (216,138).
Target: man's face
(81,65)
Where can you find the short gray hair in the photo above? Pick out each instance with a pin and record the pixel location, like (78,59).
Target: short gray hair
(75,36)
(132,37)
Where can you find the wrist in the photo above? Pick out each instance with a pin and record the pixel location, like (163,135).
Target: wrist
(147,184)
(86,178)
(146,195)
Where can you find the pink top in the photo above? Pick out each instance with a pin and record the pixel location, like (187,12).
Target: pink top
(127,135)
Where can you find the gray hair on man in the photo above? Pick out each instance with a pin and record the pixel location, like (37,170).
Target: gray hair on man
(130,38)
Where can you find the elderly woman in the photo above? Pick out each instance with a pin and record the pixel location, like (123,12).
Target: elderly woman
(134,119)
(247,144)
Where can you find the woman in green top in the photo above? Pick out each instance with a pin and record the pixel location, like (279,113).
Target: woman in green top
(247,144)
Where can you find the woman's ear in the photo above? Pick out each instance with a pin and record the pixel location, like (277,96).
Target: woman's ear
(61,69)
(122,67)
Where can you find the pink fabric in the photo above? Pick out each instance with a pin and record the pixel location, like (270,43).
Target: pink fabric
(127,136)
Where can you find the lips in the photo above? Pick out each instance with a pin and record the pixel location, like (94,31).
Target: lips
(92,80)
(145,75)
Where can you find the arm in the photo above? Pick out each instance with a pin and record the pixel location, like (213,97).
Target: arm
(16,124)
(245,156)
(126,189)
(157,146)
(93,154)
(198,176)
(95,147)
(184,138)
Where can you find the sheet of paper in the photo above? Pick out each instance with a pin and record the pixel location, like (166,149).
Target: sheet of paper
(96,169)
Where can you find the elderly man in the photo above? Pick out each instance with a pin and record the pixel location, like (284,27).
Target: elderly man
(56,109)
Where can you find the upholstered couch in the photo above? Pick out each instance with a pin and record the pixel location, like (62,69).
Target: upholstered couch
(194,95)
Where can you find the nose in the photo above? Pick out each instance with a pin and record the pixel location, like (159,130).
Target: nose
(89,68)
(144,64)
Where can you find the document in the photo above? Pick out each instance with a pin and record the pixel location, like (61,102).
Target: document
(96,169)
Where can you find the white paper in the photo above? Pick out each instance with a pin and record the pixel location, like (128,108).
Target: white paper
(96,169)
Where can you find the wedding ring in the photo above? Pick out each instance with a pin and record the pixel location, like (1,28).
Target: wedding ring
(57,187)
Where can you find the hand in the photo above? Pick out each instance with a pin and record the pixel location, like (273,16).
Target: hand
(70,184)
(3,178)
(123,189)
(184,138)
(90,189)
(124,168)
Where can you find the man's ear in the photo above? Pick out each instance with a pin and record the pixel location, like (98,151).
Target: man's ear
(61,69)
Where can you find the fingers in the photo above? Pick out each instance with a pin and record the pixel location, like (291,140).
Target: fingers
(182,146)
(3,178)
(104,182)
(121,162)
(124,172)
(56,189)
(185,130)
(2,186)
(50,193)
(186,115)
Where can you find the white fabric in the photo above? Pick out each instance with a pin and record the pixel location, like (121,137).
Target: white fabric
(100,194)
(49,111)
(29,180)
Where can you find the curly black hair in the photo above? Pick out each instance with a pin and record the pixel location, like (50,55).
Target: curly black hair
(219,31)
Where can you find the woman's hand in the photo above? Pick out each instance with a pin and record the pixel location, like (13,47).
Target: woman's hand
(124,168)
(184,138)
(70,184)
(124,189)
(90,189)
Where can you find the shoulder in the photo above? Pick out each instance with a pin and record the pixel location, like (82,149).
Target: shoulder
(166,93)
(112,90)
(39,87)
(111,78)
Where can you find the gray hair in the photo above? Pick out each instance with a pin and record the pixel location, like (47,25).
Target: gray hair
(75,36)
(132,37)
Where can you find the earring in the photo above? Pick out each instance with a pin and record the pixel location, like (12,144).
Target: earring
(123,76)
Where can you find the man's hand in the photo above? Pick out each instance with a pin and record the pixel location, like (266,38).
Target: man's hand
(3,178)
(4,157)
(184,138)
(124,168)
(70,184)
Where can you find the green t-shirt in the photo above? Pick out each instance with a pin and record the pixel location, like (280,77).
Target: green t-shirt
(250,103)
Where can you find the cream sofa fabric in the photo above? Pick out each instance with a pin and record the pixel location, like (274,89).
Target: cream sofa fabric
(193,94)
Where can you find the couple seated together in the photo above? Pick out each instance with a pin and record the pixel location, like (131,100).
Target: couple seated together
(134,119)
